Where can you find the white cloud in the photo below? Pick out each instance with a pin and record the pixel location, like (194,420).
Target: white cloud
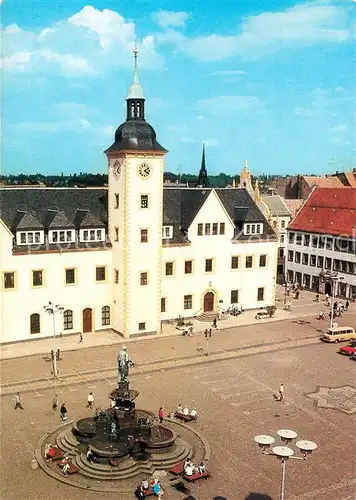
(227,105)
(304,24)
(201,118)
(339,140)
(228,72)
(16,62)
(88,43)
(108,25)
(108,130)
(165,18)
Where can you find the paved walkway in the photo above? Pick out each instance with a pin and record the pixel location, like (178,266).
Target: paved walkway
(304,307)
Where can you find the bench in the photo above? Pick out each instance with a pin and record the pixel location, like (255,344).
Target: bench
(54,454)
(197,476)
(148,493)
(185,418)
(177,469)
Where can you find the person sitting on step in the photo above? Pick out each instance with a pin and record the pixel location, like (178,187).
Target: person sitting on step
(186,410)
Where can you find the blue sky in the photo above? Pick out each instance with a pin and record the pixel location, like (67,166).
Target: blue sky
(270,82)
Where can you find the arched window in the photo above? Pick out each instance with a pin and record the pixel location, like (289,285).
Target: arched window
(105,315)
(68,320)
(35,326)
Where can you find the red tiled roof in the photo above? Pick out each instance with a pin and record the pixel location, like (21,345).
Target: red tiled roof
(328,211)
(293,206)
(325,182)
(351,178)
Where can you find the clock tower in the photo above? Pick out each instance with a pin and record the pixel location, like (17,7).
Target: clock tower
(135,206)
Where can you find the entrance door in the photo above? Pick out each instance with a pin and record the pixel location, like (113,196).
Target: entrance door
(328,288)
(209,302)
(87,320)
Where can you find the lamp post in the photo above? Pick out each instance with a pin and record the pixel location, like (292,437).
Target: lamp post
(284,452)
(333,276)
(53,309)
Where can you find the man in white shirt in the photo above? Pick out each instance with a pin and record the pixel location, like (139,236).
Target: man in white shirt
(90,400)
(194,413)
(186,410)
(189,470)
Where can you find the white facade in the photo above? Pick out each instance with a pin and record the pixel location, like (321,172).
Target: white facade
(308,254)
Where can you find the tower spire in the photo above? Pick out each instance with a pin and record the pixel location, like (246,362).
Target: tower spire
(203,174)
(135,99)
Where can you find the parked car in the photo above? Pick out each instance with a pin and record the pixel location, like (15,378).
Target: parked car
(349,349)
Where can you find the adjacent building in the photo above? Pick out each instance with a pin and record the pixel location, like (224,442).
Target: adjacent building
(322,239)
(135,254)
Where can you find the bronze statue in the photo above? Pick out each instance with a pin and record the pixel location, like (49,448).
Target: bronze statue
(123,365)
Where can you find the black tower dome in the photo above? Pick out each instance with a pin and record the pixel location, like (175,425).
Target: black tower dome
(135,134)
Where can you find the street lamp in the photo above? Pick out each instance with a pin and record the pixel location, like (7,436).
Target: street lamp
(53,309)
(284,452)
(333,276)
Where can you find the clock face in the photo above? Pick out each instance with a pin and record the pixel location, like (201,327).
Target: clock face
(144,170)
(116,168)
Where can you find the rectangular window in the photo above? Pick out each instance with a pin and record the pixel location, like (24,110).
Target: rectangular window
(248,229)
(321,242)
(207,229)
(329,243)
(200,229)
(188,267)
(248,262)
(290,255)
(116,234)
(37,237)
(85,235)
(99,233)
(144,235)
(142,326)
(234,262)
(313,260)
(281,238)
(68,235)
(234,297)
(305,259)
(298,239)
(297,257)
(35,326)
(70,276)
(37,278)
(9,281)
(23,237)
(253,228)
(100,273)
(116,276)
(306,240)
(188,301)
(117,200)
(143,279)
(169,268)
(263,260)
(283,224)
(215,228)
(30,238)
(163,304)
(337,265)
(222,227)
(315,241)
(291,237)
(62,236)
(260,294)
(208,265)
(281,253)
(320,261)
(328,263)
(144,200)
(92,235)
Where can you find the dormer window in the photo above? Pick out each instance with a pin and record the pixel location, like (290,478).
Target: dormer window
(167,232)
(61,236)
(29,237)
(91,235)
(253,229)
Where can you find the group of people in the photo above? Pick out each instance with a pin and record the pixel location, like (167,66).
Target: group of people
(337,310)
(190,469)
(184,410)
(145,485)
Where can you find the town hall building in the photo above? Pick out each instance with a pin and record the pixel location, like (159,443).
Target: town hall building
(131,256)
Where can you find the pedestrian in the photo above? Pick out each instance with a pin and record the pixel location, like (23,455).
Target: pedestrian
(215,324)
(63,412)
(80,338)
(191,331)
(206,333)
(55,403)
(90,400)
(18,401)
(317,298)
(160,414)
(210,333)
(281,392)
(347,305)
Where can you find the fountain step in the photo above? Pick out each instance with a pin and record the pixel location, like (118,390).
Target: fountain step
(132,468)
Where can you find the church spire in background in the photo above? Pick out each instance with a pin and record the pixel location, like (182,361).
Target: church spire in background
(203,174)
